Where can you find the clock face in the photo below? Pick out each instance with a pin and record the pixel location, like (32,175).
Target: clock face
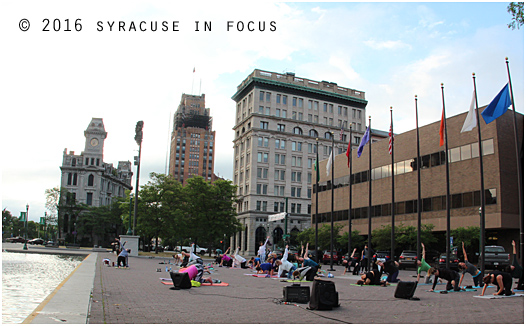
(94,142)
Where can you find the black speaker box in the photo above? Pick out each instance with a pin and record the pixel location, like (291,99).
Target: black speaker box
(405,290)
(296,293)
(180,280)
(323,295)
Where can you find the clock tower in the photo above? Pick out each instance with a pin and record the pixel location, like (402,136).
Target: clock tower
(95,135)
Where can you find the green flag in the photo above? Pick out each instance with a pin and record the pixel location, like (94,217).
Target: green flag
(42,220)
(22,216)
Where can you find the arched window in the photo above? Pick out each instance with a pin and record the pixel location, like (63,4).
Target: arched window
(298,131)
(91,178)
(328,135)
(313,133)
(69,179)
(75,179)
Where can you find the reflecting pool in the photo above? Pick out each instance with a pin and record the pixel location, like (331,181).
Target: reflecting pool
(27,279)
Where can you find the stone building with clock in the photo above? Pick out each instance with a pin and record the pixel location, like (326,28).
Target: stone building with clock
(87,179)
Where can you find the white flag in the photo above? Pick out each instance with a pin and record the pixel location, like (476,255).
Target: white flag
(471,118)
(329,163)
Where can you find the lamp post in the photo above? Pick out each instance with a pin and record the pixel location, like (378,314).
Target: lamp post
(138,139)
(130,232)
(27,215)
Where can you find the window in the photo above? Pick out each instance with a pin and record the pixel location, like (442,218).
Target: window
(300,102)
(487,147)
(278,113)
(280,144)
(330,121)
(315,119)
(91,179)
(294,101)
(263,125)
(262,173)
(465,152)
(267,97)
(278,98)
(263,207)
(296,146)
(324,107)
(309,105)
(262,157)
(295,176)
(293,115)
(285,99)
(279,190)
(267,110)
(324,120)
(296,161)
(261,96)
(309,117)
(279,175)
(281,127)
(339,110)
(313,133)
(89,198)
(328,135)
(261,189)
(298,131)
(279,159)
(283,113)
(454,155)
(316,105)
(258,205)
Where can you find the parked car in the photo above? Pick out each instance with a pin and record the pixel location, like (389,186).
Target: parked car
(36,241)
(168,247)
(382,255)
(496,257)
(453,261)
(326,259)
(198,249)
(408,259)
(51,243)
(16,240)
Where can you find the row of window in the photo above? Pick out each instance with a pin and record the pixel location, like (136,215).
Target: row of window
(430,204)
(261,206)
(282,113)
(456,154)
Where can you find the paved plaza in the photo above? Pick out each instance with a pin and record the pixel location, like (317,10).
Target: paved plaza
(137,296)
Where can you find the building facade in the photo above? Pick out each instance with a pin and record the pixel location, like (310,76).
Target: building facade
(88,179)
(192,140)
(500,181)
(281,122)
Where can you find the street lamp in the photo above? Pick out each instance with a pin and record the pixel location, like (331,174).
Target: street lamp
(130,232)
(27,216)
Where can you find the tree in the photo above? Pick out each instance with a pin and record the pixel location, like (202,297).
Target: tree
(405,237)
(516,9)
(52,205)
(10,224)
(470,236)
(99,225)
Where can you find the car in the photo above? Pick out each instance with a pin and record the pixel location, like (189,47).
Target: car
(51,243)
(453,261)
(407,259)
(382,255)
(326,259)
(36,241)
(16,240)
(168,247)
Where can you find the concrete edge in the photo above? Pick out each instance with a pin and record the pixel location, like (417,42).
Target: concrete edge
(69,302)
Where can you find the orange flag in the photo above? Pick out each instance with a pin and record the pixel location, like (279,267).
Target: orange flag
(442,131)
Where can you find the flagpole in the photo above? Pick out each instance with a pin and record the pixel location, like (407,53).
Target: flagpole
(350,192)
(482,211)
(370,201)
(448,196)
(332,201)
(519,167)
(391,140)
(317,190)
(419,193)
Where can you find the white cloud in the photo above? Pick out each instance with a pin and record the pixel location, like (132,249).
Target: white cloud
(390,45)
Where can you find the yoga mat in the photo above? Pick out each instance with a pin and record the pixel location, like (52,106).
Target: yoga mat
(202,284)
(265,276)
(467,290)
(491,296)
(367,285)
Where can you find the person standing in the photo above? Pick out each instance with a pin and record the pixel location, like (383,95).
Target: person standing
(262,250)
(365,259)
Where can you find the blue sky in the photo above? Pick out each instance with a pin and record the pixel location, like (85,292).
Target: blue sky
(54,82)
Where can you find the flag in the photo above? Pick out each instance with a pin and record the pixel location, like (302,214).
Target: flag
(498,106)
(442,130)
(194,69)
(349,153)
(22,217)
(341,132)
(329,163)
(317,166)
(471,118)
(391,139)
(365,140)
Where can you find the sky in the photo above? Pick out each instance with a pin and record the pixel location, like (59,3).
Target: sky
(54,82)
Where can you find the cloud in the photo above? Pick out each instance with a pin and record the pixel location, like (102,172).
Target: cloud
(389,45)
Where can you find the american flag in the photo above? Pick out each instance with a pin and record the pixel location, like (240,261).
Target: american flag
(341,132)
(391,139)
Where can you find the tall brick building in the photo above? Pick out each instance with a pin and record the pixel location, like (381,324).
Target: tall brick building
(500,180)
(192,140)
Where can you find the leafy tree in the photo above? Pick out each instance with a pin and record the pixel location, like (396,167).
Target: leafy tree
(100,224)
(471,238)
(357,241)
(324,237)
(516,9)
(52,205)
(405,237)
(10,224)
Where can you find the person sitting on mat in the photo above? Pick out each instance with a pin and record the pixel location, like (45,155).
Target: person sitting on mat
(307,272)
(195,273)
(389,267)
(225,259)
(502,280)
(284,265)
(350,262)
(373,277)
(515,269)
(449,275)
(238,260)
(423,266)
(467,267)
(265,268)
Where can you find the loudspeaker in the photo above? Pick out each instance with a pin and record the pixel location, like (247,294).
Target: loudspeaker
(405,290)
(296,293)
(180,280)
(323,295)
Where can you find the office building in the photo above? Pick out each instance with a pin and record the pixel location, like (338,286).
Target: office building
(280,121)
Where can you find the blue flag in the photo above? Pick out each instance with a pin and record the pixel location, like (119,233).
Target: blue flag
(365,140)
(498,106)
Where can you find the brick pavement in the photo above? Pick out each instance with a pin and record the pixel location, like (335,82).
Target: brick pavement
(136,295)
